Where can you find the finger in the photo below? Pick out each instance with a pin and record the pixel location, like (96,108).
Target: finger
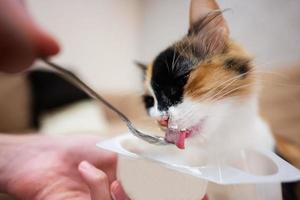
(205,197)
(117,191)
(96,180)
(21,40)
(46,44)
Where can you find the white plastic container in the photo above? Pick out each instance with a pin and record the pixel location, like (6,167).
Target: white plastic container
(144,180)
(152,174)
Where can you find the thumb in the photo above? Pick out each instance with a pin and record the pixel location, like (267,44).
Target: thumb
(96,180)
(117,191)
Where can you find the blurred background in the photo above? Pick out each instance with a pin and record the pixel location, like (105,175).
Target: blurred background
(100,41)
(101,38)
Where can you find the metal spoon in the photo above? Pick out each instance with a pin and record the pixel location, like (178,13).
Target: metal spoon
(158,140)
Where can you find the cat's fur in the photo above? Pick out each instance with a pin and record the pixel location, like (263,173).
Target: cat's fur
(207,79)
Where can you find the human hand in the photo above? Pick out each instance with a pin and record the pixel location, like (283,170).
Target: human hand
(46,168)
(21,40)
(98,184)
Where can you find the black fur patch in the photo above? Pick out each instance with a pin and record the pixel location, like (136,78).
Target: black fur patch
(169,75)
(148,101)
(240,65)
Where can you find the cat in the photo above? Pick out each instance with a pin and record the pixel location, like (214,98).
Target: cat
(203,91)
(205,86)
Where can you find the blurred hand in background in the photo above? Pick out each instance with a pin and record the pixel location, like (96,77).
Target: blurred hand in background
(21,40)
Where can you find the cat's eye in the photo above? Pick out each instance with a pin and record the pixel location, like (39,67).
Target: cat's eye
(148,101)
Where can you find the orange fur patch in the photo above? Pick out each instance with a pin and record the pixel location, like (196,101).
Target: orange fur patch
(211,80)
(147,81)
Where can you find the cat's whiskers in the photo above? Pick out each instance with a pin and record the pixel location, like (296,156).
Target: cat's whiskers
(207,95)
(232,80)
(281,84)
(263,79)
(271,73)
(233,90)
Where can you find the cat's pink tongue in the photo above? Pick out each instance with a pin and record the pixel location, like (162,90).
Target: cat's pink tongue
(176,137)
(180,140)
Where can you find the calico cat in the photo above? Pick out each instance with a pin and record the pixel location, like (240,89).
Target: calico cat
(202,90)
(203,87)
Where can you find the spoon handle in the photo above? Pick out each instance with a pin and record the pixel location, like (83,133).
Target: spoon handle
(79,83)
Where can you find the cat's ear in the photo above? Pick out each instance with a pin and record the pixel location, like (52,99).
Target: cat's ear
(208,25)
(142,66)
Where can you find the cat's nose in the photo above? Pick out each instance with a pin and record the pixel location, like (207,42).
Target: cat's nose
(163,121)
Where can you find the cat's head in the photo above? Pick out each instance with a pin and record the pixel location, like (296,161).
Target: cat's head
(195,81)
